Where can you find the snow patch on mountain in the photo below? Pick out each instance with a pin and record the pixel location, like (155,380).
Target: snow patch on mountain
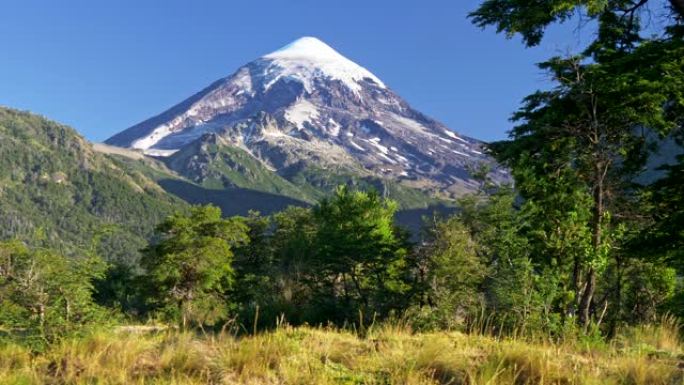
(301,112)
(410,123)
(150,140)
(356,146)
(451,134)
(333,127)
(376,143)
(161,153)
(308,58)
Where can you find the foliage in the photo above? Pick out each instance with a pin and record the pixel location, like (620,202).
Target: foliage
(454,272)
(56,191)
(45,294)
(273,270)
(343,260)
(360,255)
(189,269)
(666,234)
(491,270)
(530,19)
(578,148)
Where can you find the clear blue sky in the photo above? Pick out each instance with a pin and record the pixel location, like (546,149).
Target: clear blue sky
(102,66)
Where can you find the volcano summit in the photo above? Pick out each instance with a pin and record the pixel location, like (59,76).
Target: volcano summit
(306,107)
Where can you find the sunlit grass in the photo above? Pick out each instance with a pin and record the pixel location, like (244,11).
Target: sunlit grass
(385,354)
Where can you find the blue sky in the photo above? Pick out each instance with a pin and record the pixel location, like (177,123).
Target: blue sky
(104,66)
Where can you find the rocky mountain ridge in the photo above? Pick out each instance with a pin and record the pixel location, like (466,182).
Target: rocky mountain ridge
(306,105)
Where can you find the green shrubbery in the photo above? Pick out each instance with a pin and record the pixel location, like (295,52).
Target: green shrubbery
(343,261)
(45,295)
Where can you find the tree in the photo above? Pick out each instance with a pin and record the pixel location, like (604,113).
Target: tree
(255,271)
(455,271)
(581,135)
(190,268)
(586,138)
(44,291)
(360,259)
(293,242)
(530,19)
(483,261)
(666,235)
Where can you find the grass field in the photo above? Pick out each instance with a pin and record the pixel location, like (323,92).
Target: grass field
(384,355)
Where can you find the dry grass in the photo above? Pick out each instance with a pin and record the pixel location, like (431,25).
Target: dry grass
(385,355)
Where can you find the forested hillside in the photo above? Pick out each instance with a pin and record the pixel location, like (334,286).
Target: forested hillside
(55,190)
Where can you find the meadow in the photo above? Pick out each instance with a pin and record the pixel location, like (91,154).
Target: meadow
(382,354)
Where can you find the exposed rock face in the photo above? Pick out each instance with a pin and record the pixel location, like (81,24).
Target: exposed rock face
(306,104)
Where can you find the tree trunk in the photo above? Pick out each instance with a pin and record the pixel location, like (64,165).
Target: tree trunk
(587,296)
(618,296)
(357,285)
(597,239)
(576,279)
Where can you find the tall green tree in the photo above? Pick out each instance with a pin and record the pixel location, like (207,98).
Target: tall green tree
(665,235)
(273,270)
(293,241)
(455,271)
(360,257)
(189,269)
(586,137)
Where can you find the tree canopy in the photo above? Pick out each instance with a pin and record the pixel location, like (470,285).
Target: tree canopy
(190,267)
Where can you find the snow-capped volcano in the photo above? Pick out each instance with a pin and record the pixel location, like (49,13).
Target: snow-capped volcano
(308,58)
(307,104)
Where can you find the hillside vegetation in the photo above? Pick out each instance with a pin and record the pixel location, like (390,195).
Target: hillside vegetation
(56,190)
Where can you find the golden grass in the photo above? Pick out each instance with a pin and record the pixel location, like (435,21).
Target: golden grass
(384,355)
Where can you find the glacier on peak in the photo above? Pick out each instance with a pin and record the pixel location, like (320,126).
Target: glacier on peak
(308,57)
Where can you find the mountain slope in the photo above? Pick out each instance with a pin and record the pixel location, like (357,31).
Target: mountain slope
(56,189)
(306,107)
(215,164)
(212,163)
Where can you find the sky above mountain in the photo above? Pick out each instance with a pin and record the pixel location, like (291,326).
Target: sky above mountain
(102,67)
